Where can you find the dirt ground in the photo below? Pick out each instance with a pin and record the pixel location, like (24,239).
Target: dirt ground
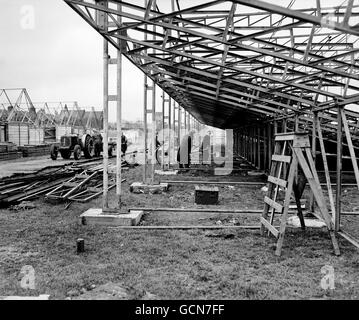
(172,264)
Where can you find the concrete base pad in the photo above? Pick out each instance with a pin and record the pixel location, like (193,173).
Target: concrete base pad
(139,187)
(166,173)
(98,217)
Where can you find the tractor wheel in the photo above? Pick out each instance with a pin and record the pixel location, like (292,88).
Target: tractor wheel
(54,152)
(89,147)
(77,152)
(65,154)
(110,151)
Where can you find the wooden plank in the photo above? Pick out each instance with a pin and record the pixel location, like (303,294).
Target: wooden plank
(278,170)
(269,227)
(288,194)
(317,192)
(277,181)
(350,146)
(349,238)
(284,137)
(240,183)
(184,227)
(273,170)
(70,184)
(338,196)
(281,158)
(326,168)
(318,195)
(273,204)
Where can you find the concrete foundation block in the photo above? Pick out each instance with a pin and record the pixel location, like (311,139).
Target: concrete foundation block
(166,173)
(98,217)
(139,187)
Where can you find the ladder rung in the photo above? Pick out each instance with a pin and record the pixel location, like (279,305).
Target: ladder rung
(281,158)
(284,137)
(271,228)
(277,181)
(273,204)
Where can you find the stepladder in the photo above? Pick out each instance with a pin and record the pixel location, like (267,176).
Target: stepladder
(292,167)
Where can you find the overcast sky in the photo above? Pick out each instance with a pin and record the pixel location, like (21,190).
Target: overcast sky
(60,58)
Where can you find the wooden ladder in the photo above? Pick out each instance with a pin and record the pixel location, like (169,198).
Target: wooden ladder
(292,150)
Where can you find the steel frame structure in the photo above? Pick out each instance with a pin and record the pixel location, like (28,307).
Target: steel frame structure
(249,65)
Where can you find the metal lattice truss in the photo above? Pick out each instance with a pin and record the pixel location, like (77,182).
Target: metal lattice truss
(71,115)
(231,63)
(17,106)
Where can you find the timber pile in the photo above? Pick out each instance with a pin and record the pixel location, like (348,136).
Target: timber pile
(30,186)
(9,151)
(35,151)
(11,155)
(27,187)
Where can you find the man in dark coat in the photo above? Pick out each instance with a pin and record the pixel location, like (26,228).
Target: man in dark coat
(205,149)
(123,144)
(184,151)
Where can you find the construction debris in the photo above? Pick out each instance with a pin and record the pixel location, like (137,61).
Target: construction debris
(26,205)
(79,181)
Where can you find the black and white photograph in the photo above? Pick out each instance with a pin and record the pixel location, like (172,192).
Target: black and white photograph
(179,154)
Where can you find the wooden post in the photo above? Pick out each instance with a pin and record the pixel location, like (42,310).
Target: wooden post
(339,171)
(270,148)
(284,129)
(265,147)
(326,168)
(314,153)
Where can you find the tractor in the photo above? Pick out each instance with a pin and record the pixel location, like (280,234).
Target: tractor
(90,146)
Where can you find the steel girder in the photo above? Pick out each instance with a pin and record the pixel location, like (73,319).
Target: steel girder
(230,63)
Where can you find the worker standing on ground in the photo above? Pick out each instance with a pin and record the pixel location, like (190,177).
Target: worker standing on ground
(184,151)
(158,143)
(123,144)
(206,148)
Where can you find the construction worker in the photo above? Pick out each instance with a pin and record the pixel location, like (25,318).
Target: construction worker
(123,143)
(206,148)
(158,143)
(184,151)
